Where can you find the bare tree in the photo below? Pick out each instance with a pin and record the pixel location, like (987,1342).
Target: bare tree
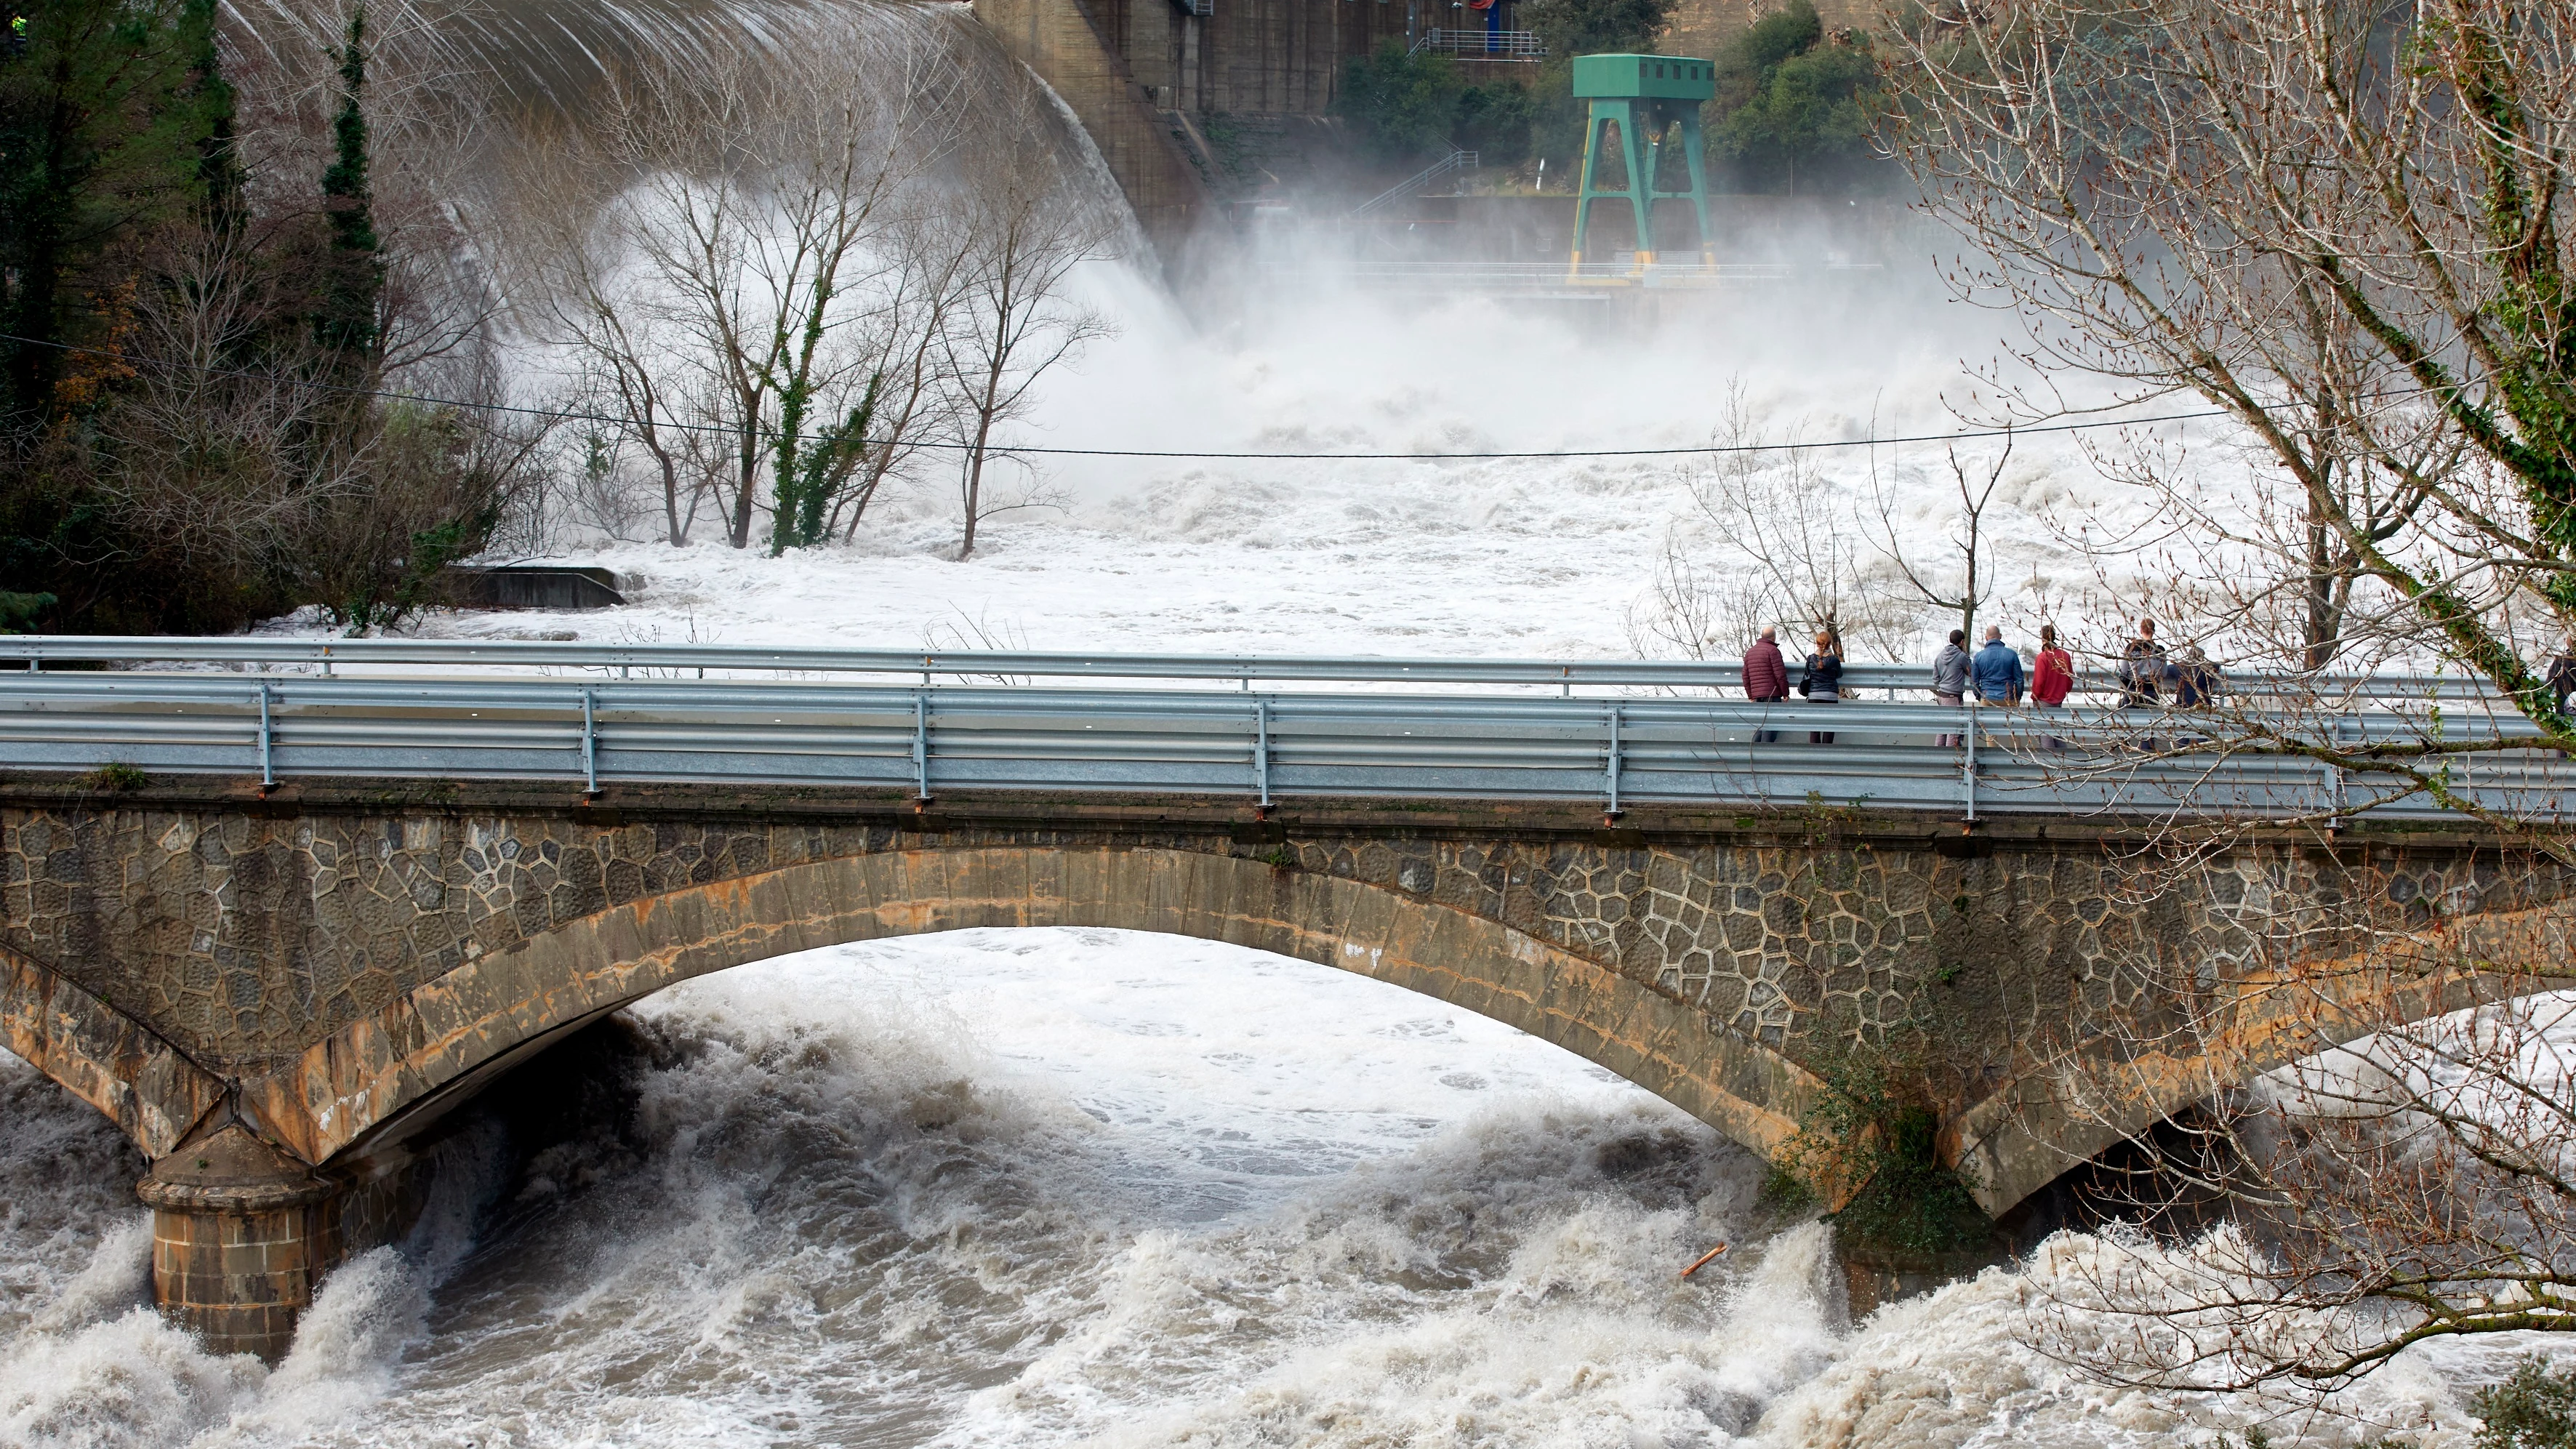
(911,328)
(2407,1174)
(1023,233)
(2345,225)
(1919,583)
(1772,540)
(727,252)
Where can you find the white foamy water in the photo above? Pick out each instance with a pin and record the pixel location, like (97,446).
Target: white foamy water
(1515,557)
(1071,1187)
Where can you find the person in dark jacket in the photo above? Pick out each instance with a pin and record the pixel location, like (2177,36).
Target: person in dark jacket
(2195,678)
(2561,678)
(1823,681)
(1950,677)
(2142,668)
(1766,677)
(1996,670)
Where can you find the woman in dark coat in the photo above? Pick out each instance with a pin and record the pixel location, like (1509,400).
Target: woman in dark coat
(1823,681)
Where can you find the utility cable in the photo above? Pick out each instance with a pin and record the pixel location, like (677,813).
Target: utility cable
(568,416)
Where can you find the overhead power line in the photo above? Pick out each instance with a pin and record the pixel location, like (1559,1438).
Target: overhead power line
(563,415)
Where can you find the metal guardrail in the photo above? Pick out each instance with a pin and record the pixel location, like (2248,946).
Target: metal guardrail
(32,651)
(1479,44)
(926,739)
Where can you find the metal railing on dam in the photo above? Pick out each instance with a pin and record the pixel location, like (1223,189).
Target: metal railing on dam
(928,722)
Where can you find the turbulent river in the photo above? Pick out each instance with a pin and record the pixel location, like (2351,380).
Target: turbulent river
(1062,1187)
(1083,1187)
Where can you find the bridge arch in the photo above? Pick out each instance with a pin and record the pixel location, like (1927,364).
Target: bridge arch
(151,1090)
(375,1079)
(2061,1115)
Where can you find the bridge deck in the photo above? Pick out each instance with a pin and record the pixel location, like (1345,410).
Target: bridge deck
(502,713)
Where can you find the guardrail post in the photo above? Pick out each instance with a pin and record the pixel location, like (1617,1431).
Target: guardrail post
(267,741)
(921,744)
(2336,779)
(1968,772)
(589,744)
(1261,750)
(1614,811)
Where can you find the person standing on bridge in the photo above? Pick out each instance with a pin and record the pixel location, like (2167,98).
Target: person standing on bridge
(2142,668)
(1823,680)
(2052,674)
(2561,678)
(1950,677)
(1997,670)
(2052,677)
(1766,677)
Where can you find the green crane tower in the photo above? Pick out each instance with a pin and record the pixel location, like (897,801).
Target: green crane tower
(1647,95)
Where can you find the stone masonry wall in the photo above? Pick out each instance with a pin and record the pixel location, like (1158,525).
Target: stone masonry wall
(242,938)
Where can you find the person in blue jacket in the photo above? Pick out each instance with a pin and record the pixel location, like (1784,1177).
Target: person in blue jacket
(1996,670)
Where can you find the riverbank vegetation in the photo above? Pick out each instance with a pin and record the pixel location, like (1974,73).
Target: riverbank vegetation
(258,291)
(199,333)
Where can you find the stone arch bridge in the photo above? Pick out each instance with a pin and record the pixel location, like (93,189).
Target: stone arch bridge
(277,992)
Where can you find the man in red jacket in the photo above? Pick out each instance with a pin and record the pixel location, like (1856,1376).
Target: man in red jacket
(1766,678)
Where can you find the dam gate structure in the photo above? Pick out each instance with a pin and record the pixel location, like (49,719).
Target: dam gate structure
(1646,98)
(277,925)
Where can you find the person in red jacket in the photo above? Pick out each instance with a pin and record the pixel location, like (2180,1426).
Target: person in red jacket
(2052,674)
(1766,678)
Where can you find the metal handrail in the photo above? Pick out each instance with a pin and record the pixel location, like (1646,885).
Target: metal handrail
(1243,670)
(1454,161)
(1491,44)
(924,740)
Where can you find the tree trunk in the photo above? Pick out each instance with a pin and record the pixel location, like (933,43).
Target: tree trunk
(747,479)
(975,482)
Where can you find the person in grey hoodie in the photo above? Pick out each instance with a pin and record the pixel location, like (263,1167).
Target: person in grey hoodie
(1950,677)
(1996,670)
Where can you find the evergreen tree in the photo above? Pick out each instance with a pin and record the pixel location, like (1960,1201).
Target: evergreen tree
(353,269)
(219,174)
(1794,105)
(113,119)
(1568,28)
(1402,104)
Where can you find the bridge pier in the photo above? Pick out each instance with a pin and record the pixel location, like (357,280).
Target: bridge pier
(241,1232)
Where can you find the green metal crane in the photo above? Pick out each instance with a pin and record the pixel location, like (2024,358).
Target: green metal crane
(1647,95)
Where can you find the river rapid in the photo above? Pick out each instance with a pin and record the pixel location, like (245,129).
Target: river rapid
(1058,1187)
